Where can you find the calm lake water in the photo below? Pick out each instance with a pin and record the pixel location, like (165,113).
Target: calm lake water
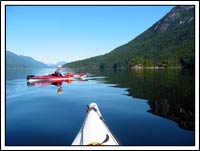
(141,107)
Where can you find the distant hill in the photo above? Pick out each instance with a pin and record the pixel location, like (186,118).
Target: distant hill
(19,61)
(58,63)
(168,43)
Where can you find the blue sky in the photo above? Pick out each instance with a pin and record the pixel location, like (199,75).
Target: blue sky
(68,33)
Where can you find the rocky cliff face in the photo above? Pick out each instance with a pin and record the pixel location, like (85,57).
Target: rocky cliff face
(177,16)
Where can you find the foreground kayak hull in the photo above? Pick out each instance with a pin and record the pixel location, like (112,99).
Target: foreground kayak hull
(32,78)
(94,130)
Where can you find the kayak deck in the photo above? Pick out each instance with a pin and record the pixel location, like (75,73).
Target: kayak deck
(94,130)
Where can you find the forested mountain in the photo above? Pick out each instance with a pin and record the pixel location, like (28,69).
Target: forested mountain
(168,43)
(19,61)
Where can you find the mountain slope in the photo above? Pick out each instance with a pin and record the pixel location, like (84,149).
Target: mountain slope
(168,43)
(56,64)
(19,61)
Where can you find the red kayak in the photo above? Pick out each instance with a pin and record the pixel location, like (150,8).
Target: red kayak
(52,77)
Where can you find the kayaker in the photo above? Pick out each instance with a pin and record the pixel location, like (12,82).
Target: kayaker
(58,71)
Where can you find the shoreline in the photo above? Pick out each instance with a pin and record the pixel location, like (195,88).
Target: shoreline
(156,68)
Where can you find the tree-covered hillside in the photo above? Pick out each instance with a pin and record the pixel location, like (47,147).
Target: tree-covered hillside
(168,43)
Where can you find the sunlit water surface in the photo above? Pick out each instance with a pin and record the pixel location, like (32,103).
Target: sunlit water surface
(38,115)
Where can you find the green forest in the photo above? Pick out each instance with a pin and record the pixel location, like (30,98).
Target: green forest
(168,43)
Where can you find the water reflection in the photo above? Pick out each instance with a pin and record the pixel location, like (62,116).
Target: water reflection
(170,93)
(57,83)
